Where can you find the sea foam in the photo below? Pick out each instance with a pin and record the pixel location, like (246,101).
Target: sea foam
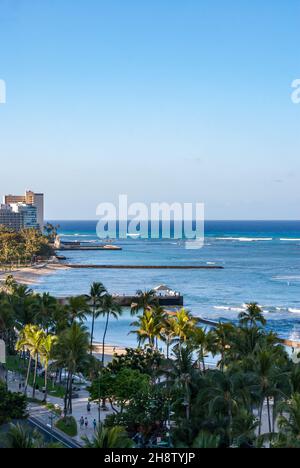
(246,239)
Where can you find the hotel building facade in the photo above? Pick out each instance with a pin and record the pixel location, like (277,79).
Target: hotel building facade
(28,204)
(10,219)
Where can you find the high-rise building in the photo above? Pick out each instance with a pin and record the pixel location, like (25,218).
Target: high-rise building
(29,214)
(30,198)
(10,219)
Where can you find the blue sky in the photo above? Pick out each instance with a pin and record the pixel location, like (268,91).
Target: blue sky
(164,100)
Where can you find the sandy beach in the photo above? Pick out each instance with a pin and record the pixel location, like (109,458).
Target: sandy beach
(109,350)
(32,275)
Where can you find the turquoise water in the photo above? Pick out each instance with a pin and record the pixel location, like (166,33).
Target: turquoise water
(260,259)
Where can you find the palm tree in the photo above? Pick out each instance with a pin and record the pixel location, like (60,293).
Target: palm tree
(220,339)
(22,437)
(294,379)
(160,316)
(60,319)
(46,306)
(109,438)
(71,352)
(289,421)
(149,327)
(200,342)
(252,316)
(244,428)
(95,298)
(183,325)
(10,285)
(46,353)
(145,300)
(181,374)
(77,308)
(7,321)
(265,368)
(110,308)
(21,346)
(223,399)
(167,333)
(205,440)
(21,291)
(24,307)
(31,338)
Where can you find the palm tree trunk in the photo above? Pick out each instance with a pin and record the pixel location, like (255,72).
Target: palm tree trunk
(202,360)
(269,414)
(229,425)
(104,336)
(66,395)
(180,351)
(46,383)
(274,414)
(92,330)
(28,375)
(260,416)
(71,394)
(34,377)
(222,361)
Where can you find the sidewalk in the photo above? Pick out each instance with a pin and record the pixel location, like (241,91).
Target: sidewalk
(79,408)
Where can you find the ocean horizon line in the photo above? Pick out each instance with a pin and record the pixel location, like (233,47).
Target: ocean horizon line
(207,220)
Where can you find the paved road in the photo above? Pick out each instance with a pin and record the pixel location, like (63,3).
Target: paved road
(53,434)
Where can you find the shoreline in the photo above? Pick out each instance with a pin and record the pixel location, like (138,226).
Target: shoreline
(30,276)
(109,351)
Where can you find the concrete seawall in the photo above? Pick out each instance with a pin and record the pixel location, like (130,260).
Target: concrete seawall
(126,301)
(148,267)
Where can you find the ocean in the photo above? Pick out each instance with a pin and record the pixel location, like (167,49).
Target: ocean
(260,260)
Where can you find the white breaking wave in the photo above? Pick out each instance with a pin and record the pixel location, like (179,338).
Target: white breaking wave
(246,239)
(290,240)
(294,311)
(75,235)
(287,278)
(294,336)
(231,309)
(258,305)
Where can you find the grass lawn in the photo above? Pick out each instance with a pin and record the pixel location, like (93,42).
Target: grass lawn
(68,425)
(15,364)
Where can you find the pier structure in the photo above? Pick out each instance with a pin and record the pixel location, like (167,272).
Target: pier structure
(60,245)
(172,300)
